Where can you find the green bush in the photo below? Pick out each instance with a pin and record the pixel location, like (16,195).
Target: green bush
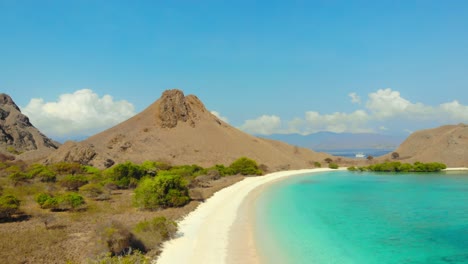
(12,150)
(9,205)
(161,192)
(333,165)
(317,164)
(187,170)
(95,191)
(19,177)
(64,168)
(116,236)
(160,228)
(63,202)
(352,168)
(73,182)
(245,166)
(44,173)
(223,170)
(405,167)
(126,175)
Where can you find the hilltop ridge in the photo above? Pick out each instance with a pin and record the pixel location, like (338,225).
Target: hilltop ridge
(447,144)
(180,130)
(18,136)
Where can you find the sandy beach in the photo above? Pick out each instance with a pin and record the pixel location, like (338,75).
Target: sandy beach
(216,232)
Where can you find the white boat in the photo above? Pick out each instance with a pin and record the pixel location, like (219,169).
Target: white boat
(360,155)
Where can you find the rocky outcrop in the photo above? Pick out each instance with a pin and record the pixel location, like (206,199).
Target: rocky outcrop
(17,134)
(174,107)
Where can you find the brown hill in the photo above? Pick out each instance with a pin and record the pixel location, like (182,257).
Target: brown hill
(180,130)
(18,136)
(446,144)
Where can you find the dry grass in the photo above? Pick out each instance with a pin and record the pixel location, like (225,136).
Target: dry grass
(73,236)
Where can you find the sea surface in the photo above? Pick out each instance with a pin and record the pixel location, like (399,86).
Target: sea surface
(351,153)
(346,217)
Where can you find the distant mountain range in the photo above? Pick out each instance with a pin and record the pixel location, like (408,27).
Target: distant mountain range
(335,141)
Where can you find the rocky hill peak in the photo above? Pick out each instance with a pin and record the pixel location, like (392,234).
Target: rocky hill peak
(17,134)
(175,107)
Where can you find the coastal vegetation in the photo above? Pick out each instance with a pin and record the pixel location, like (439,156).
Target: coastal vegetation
(49,194)
(396,166)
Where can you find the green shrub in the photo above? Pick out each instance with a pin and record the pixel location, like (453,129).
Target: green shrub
(95,191)
(63,202)
(73,182)
(116,237)
(19,177)
(352,168)
(126,175)
(12,150)
(317,164)
(9,205)
(160,226)
(223,170)
(187,170)
(42,172)
(152,233)
(161,192)
(333,165)
(245,166)
(406,167)
(64,168)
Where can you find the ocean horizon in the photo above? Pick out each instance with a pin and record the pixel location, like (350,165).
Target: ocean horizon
(346,217)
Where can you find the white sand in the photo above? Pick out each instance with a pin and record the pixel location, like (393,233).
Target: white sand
(456,169)
(204,233)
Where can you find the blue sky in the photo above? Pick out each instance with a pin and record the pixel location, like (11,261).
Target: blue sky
(267,66)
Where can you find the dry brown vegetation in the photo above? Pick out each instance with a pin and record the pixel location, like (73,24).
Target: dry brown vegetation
(42,236)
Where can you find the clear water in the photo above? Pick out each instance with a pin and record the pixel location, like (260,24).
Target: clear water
(344,217)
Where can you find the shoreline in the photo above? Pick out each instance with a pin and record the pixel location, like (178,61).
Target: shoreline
(206,234)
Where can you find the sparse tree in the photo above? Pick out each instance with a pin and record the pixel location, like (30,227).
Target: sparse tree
(370,158)
(328,160)
(395,155)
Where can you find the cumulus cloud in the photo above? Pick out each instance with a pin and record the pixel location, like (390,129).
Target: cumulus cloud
(263,125)
(337,122)
(218,115)
(79,114)
(384,105)
(355,99)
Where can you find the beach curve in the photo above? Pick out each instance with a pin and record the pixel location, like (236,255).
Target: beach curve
(203,235)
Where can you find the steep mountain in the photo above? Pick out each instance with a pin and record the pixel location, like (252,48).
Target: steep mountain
(333,141)
(446,144)
(180,130)
(18,136)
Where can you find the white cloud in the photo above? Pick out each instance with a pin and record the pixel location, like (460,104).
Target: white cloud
(337,122)
(355,99)
(79,114)
(218,115)
(455,111)
(263,125)
(384,105)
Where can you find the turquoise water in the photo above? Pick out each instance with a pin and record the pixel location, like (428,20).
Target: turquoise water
(344,217)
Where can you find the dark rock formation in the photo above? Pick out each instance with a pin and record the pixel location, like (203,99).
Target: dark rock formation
(175,107)
(17,134)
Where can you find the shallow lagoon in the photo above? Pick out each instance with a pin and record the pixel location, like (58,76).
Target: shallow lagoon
(344,217)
